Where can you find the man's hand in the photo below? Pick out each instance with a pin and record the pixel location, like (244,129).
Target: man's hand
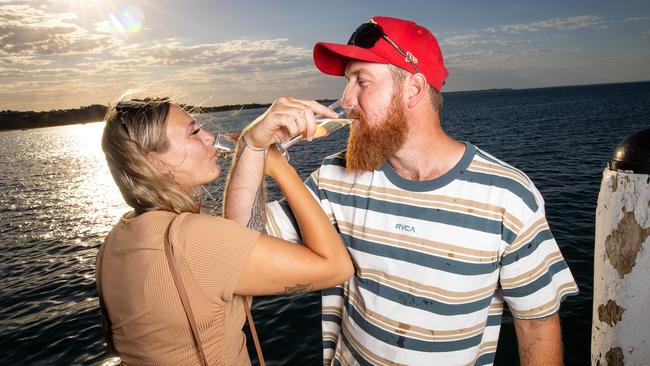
(540,341)
(286,118)
(244,199)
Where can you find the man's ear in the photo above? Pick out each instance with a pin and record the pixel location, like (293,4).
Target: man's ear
(155,162)
(417,90)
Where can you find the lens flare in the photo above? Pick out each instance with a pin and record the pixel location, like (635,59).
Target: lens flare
(127,21)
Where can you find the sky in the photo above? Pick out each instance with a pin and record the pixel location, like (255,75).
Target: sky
(61,54)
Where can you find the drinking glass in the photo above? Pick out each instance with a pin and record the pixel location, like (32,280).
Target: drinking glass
(325,126)
(224,144)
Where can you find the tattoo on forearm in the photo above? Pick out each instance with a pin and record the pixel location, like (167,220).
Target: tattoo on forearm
(299,288)
(258,212)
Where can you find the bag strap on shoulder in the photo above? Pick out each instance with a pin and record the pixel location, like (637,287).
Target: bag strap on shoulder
(185,300)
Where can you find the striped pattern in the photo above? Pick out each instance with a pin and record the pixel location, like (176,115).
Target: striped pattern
(435,261)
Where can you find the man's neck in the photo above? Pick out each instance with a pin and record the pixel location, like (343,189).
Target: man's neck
(428,153)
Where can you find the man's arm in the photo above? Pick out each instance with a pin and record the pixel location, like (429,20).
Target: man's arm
(539,341)
(244,198)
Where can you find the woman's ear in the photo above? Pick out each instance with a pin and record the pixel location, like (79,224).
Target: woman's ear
(155,162)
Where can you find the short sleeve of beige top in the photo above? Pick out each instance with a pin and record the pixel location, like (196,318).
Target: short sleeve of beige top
(149,324)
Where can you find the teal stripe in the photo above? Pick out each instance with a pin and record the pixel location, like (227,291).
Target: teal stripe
(420,302)
(333,291)
(408,343)
(331,318)
(538,284)
(420,213)
(485,359)
(527,249)
(329,345)
(446,264)
(508,184)
(357,357)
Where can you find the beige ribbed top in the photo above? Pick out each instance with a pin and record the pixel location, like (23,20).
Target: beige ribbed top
(149,324)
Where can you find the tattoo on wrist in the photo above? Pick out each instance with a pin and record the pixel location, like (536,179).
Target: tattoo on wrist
(299,288)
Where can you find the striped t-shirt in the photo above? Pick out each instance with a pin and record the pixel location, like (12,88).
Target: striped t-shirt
(434,261)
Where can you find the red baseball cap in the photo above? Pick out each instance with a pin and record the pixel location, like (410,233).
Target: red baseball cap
(414,40)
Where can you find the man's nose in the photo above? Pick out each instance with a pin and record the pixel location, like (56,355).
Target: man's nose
(349,99)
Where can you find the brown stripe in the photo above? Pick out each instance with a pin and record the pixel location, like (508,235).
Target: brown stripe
(474,208)
(423,245)
(548,308)
(366,353)
(528,235)
(419,289)
(532,274)
(486,167)
(413,331)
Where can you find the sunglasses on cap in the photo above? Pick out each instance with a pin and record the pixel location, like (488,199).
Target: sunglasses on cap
(367,35)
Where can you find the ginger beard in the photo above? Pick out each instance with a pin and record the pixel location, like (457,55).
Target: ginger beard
(370,146)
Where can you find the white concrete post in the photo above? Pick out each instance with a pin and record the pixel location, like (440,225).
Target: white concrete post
(621,303)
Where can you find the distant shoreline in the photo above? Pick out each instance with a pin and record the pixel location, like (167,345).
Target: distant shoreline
(17,120)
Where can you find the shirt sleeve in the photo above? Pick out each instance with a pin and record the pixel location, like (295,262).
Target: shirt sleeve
(216,250)
(534,275)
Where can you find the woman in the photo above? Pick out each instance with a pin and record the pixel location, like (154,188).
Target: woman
(158,156)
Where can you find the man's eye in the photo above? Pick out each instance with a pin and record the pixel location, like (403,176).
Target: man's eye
(196,131)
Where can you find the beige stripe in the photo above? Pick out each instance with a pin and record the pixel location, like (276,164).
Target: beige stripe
(414,331)
(332,310)
(548,308)
(528,235)
(330,336)
(419,289)
(534,273)
(366,353)
(474,208)
(486,167)
(486,347)
(419,244)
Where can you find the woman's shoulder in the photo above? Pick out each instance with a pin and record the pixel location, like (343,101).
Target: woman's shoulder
(200,227)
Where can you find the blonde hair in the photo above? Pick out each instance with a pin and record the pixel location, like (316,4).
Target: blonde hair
(130,134)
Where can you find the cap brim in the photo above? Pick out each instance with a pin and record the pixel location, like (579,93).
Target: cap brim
(331,58)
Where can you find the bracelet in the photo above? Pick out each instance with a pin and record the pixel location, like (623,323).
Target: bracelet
(252,148)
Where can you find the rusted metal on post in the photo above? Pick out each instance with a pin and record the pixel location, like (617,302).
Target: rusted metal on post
(621,304)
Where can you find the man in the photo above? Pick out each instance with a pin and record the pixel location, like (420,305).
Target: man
(441,233)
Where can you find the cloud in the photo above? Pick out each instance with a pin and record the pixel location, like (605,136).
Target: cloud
(492,59)
(473,39)
(636,19)
(27,30)
(569,23)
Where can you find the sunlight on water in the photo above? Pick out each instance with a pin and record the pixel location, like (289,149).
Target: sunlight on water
(97,188)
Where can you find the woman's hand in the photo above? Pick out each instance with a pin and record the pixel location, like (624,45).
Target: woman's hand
(287,117)
(275,163)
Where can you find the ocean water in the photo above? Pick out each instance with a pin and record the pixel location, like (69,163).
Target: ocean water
(57,202)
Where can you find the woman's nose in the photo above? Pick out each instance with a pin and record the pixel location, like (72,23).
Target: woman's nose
(208,138)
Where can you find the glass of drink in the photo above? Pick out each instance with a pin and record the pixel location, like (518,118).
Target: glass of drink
(224,145)
(325,127)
